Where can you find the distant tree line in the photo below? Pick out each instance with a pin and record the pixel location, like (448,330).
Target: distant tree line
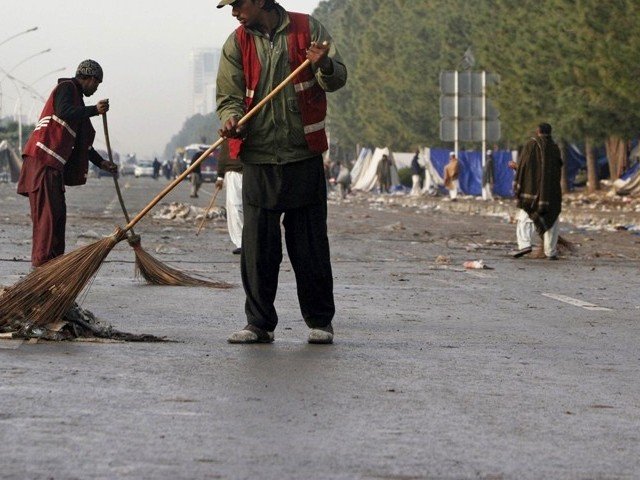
(9,132)
(196,129)
(572,64)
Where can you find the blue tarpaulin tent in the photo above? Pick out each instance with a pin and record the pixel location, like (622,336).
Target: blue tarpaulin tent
(576,161)
(503,175)
(471,170)
(630,172)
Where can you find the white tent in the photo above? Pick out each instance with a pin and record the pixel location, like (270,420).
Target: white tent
(402,159)
(364,174)
(432,179)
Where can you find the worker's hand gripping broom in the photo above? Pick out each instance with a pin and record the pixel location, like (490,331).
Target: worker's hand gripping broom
(152,270)
(48,292)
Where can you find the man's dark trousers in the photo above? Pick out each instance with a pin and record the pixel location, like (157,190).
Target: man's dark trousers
(305,237)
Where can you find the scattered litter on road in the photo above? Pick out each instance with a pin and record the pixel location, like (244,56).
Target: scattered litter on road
(476,265)
(443,260)
(185,211)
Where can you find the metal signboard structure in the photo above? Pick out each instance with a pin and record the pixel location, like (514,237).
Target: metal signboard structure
(465,112)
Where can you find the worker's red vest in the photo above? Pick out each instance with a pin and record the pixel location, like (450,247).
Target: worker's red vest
(62,145)
(312,100)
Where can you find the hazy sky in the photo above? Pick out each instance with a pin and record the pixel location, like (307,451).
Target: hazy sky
(142,45)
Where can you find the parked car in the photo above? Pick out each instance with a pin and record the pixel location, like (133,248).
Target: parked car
(144,168)
(209,166)
(127,166)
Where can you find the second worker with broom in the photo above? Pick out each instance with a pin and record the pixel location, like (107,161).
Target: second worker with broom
(58,154)
(281,150)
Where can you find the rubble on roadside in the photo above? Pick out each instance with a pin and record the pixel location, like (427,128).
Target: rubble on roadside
(601,211)
(184,212)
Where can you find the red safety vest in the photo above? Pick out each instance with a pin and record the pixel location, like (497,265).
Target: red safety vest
(62,145)
(312,100)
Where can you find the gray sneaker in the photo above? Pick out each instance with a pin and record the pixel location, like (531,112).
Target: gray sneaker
(321,335)
(251,334)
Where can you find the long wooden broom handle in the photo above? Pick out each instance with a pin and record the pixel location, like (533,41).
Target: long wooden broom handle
(209,150)
(105,126)
(204,218)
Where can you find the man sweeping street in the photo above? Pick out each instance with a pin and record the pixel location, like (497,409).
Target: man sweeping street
(57,154)
(281,150)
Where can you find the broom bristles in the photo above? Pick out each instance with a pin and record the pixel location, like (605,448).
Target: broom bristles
(157,273)
(563,242)
(48,292)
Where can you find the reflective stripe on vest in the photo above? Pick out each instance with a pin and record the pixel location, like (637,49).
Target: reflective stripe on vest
(51,152)
(314,127)
(53,138)
(312,100)
(44,121)
(302,86)
(62,144)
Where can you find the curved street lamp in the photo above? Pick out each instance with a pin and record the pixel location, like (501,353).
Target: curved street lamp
(16,82)
(27,59)
(61,69)
(8,73)
(34,93)
(18,34)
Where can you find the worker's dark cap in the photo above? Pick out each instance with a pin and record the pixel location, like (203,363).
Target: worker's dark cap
(225,2)
(90,68)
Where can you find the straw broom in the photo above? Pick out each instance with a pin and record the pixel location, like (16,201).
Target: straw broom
(152,270)
(48,292)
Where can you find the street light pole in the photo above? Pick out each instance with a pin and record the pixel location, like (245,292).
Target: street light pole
(8,73)
(15,84)
(18,34)
(33,29)
(18,106)
(61,69)
(34,93)
(27,59)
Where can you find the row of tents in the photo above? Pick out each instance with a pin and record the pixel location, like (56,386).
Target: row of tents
(433,160)
(364,172)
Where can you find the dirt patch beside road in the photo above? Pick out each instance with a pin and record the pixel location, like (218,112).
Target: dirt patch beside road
(599,226)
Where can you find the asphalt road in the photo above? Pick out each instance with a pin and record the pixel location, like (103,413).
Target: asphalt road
(526,371)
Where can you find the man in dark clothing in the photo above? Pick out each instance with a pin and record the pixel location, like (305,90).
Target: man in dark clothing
(57,154)
(281,149)
(488,177)
(156,168)
(416,174)
(384,174)
(537,187)
(196,174)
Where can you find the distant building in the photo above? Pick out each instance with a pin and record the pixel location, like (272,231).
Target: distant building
(204,69)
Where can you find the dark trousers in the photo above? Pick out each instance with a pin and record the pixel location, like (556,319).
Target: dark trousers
(49,217)
(308,249)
